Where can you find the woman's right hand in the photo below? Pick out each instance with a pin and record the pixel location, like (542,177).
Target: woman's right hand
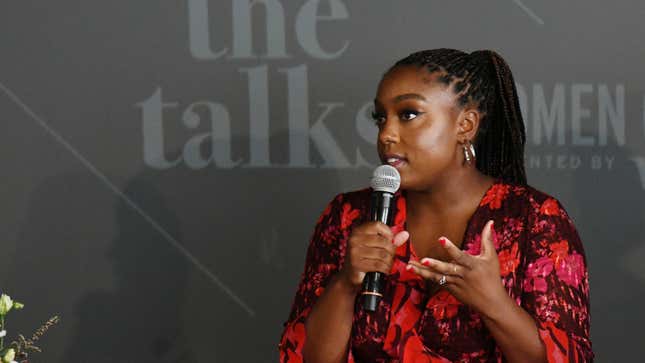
(371,247)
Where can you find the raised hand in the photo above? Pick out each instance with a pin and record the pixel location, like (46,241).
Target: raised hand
(474,280)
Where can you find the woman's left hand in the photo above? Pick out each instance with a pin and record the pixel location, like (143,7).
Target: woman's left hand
(474,280)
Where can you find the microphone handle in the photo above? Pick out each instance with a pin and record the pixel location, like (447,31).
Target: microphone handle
(373,283)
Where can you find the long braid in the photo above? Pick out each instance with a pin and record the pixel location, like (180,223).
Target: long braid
(514,151)
(483,79)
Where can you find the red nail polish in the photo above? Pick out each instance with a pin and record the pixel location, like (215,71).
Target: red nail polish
(442,241)
(426,262)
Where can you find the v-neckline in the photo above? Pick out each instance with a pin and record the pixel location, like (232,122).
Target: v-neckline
(400,223)
(413,254)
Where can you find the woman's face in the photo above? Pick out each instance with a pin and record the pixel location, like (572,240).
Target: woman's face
(418,133)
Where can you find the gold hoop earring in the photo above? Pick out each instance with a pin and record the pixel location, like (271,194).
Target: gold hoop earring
(469,152)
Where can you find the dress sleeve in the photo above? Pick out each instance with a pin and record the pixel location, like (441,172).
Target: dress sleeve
(324,257)
(555,286)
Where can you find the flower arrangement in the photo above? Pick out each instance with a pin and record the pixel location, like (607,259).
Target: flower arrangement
(19,349)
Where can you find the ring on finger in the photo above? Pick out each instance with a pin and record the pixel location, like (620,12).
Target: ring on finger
(442,280)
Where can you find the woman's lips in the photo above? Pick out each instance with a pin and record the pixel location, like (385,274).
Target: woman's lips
(395,162)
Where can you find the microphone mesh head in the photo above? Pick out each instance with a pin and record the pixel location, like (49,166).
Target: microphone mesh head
(386,179)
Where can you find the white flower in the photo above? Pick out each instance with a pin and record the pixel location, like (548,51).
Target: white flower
(3,333)
(5,304)
(9,356)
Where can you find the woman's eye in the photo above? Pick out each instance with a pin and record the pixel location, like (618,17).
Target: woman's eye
(407,115)
(378,117)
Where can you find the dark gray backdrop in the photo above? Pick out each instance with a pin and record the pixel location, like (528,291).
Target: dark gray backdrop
(164,162)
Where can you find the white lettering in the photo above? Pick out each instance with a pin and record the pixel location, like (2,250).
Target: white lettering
(578,113)
(300,132)
(258,116)
(306,27)
(547,118)
(153,135)
(242,30)
(219,137)
(611,113)
(609,161)
(198,32)
(640,165)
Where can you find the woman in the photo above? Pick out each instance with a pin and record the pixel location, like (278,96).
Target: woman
(481,267)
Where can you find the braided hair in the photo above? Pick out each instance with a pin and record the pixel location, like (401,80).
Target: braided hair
(482,79)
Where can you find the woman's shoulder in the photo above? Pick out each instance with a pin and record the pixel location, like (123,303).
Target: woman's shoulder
(541,210)
(504,192)
(345,206)
(535,219)
(355,198)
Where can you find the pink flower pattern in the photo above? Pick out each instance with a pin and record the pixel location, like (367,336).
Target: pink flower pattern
(542,266)
(536,274)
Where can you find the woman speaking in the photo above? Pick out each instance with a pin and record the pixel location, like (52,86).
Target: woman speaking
(480,266)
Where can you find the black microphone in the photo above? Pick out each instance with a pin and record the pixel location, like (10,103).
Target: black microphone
(385,182)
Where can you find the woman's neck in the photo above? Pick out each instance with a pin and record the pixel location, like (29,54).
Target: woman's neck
(449,196)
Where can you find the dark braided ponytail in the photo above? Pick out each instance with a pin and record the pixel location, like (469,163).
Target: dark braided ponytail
(482,79)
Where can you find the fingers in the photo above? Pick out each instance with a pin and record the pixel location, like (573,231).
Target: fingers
(365,259)
(377,253)
(373,240)
(377,247)
(372,228)
(488,246)
(372,247)
(429,274)
(377,234)
(400,238)
(443,268)
(459,257)
(370,264)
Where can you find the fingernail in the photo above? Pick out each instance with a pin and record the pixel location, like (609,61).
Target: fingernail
(442,241)
(425,262)
(408,267)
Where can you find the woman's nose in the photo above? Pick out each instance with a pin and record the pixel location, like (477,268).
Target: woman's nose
(389,132)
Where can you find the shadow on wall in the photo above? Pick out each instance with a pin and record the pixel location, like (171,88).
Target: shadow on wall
(140,319)
(250,227)
(126,294)
(121,307)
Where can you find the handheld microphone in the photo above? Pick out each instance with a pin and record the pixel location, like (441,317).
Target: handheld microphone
(385,182)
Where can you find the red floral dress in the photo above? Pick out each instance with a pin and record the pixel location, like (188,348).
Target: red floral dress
(542,265)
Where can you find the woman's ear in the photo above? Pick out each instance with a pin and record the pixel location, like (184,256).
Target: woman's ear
(468,124)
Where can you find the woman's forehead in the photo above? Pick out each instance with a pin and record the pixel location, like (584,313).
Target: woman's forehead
(412,82)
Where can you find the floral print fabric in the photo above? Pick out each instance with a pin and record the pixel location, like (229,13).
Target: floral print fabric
(542,266)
